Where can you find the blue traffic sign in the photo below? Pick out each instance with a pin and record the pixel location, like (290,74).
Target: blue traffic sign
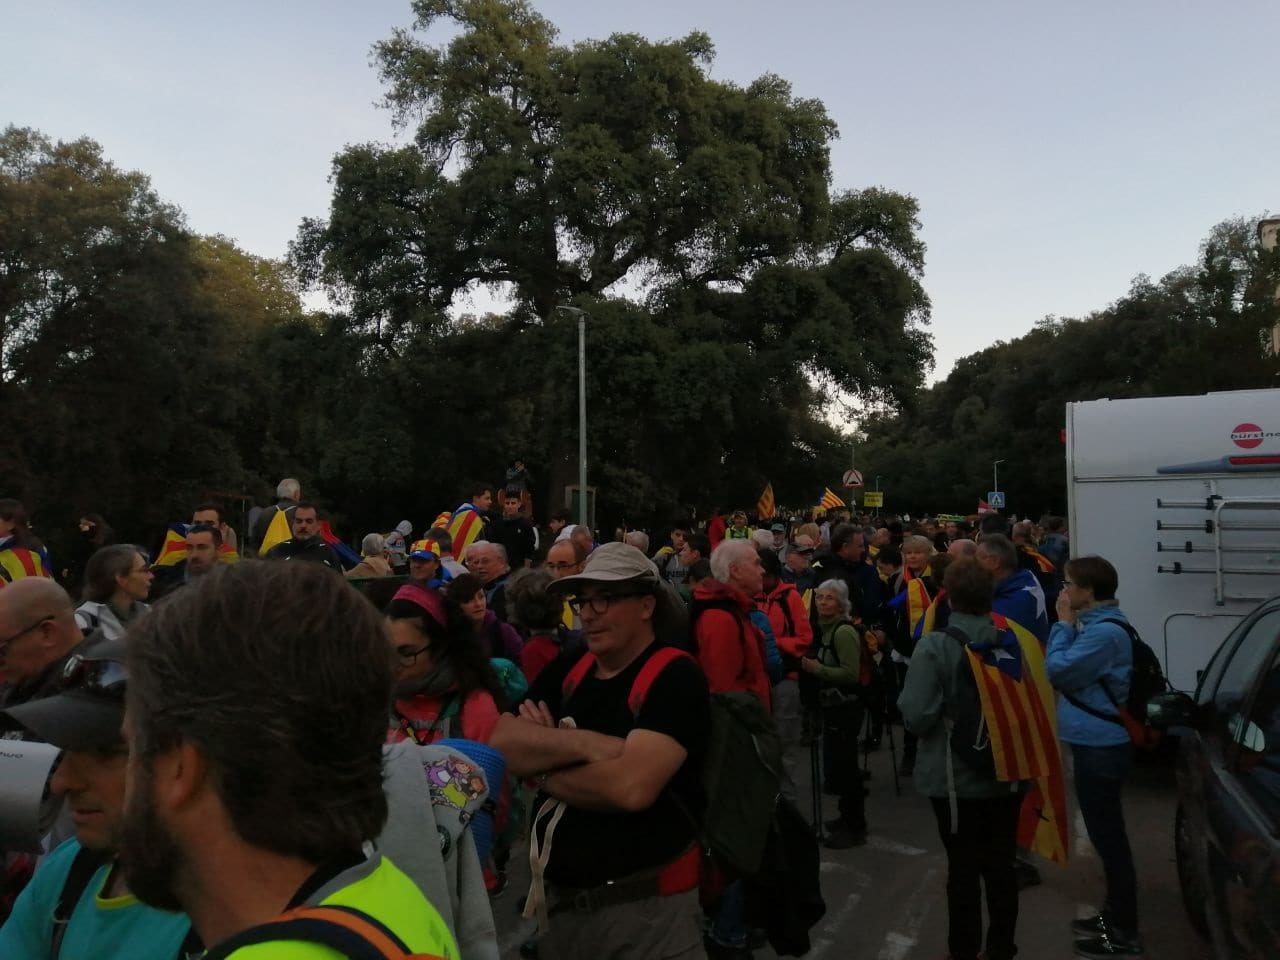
(995,500)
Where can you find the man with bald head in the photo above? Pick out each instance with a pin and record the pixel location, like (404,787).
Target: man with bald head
(37,632)
(962,548)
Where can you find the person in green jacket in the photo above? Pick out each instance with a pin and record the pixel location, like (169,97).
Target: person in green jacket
(981,843)
(839,668)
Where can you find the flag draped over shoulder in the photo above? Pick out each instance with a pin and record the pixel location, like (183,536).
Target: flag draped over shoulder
(278,531)
(227,554)
(830,500)
(1041,561)
(766,509)
(174,549)
(465,527)
(346,555)
(1018,704)
(18,563)
(920,608)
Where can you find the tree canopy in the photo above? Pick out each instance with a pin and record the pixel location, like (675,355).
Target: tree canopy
(1202,328)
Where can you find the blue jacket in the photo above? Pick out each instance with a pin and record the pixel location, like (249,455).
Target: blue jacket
(1020,598)
(1080,655)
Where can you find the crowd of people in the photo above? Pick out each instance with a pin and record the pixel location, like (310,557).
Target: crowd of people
(225,722)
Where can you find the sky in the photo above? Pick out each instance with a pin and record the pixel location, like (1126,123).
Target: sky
(1057,150)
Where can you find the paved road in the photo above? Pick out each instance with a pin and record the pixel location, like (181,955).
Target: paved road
(886,901)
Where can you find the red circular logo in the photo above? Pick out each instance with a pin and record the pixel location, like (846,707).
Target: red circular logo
(1247,435)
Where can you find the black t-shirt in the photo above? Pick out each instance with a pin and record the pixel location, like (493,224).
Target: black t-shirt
(591,847)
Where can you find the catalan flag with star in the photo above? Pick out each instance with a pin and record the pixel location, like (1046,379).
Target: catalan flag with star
(1018,703)
(921,610)
(830,500)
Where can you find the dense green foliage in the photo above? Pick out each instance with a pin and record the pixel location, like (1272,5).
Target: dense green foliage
(1201,328)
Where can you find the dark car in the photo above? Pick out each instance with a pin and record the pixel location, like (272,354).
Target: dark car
(1227,831)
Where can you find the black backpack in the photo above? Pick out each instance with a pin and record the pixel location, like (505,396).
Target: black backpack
(967,734)
(1147,681)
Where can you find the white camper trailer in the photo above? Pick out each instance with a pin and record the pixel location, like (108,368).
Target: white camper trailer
(1182,494)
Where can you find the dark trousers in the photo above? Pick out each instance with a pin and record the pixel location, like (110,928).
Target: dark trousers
(980,854)
(841,727)
(1100,773)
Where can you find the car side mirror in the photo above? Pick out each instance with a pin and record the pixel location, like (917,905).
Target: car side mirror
(1173,709)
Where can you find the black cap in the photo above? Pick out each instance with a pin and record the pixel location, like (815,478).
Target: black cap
(77,718)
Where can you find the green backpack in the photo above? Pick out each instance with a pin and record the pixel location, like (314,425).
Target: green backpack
(743,770)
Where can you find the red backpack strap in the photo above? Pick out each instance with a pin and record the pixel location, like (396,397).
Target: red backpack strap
(649,673)
(579,673)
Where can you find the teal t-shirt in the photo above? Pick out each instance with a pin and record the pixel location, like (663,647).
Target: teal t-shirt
(101,928)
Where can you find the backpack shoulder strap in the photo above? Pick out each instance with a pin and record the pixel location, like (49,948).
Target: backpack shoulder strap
(956,634)
(649,674)
(576,675)
(351,932)
(83,867)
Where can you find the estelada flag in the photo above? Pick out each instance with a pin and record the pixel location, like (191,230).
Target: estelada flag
(227,554)
(465,527)
(18,563)
(174,549)
(1018,704)
(829,499)
(278,531)
(1043,562)
(766,509)
(921,611)
(348,557)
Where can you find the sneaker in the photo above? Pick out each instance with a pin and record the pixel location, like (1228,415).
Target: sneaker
(1109,944)
(1087,927)
(842,838)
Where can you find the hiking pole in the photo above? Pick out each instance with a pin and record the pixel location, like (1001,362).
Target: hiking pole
(893,757)
(815,778)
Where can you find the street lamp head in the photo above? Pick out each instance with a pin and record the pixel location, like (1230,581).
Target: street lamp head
(575,311)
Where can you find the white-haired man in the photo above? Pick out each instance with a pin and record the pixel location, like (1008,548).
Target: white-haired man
(288,494)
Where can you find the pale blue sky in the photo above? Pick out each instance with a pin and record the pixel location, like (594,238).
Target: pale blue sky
(1057,149)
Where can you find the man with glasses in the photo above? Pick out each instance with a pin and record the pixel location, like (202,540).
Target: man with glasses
(307,542)
(37,632)
(79,904)
(617,873)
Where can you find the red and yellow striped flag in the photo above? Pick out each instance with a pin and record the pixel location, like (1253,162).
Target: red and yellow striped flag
(766,509)
(829,499)
(1019,705)
(921,612)
(174,549)
(465,528)
(18,563)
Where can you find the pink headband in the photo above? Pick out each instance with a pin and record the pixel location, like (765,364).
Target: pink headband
(428,600)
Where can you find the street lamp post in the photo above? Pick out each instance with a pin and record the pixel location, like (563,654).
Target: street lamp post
(995,475)
(877,483)
(582,410)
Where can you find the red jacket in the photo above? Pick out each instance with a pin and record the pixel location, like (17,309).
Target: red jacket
(730,648)
(789,619)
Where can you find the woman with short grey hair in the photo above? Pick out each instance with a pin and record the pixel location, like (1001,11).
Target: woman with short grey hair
(373,559)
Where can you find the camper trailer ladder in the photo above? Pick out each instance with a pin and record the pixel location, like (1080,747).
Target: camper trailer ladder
(1235,530)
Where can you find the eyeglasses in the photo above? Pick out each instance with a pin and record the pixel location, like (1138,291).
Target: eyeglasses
(409,656)
(95,673)
(560,566)
(600,603)
(4,644)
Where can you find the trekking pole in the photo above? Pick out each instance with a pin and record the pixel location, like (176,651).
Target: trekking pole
(893,758)
(815,779)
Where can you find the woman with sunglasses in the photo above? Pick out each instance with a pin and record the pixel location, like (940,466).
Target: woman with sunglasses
(117,581)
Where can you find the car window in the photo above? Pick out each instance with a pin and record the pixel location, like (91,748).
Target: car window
(1258,738)
(1241,670)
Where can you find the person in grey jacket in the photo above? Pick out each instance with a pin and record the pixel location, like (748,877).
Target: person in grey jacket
(1090,661)
(980,843)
